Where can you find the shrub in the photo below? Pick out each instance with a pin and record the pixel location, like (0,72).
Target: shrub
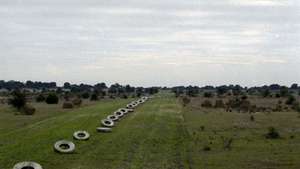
(94,97)
(18,99)
(245,97)
(67,105)
(206,148)
(28,110)
(186,100)
(291,99)
(208,94)
(219,104)
(124,96)
(272,133)
(40,98)
(77,102)
(52,99)
(85,95)
(206,104)
(252,118)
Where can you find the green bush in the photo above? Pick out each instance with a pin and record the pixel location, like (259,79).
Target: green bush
(52,98)
(185,101)
(40,98)
(77,102)
(85,95)
(68,105)
(272,133)
(291,99)
(18,99)
(207,104)
(28,110)
(94,97)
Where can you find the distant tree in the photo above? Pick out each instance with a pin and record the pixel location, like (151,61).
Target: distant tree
(52,98)
(284,91)
(18,99)
(67,85)
(222,90)
(208,94)
(294,86)
(266,93)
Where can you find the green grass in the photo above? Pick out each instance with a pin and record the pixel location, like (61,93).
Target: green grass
(160,134)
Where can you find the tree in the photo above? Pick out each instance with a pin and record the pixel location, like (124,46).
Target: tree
(266,93)
(18,100)
(294,86)
(284,91)
(52,98)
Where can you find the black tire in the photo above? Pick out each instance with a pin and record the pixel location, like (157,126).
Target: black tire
(104,129)
(107,123)
(112,117)
(81,135)
(64,147)
(27,164)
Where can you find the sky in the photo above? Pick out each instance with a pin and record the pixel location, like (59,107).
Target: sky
(151,42)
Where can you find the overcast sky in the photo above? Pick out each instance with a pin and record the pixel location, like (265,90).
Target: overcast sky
(151,42)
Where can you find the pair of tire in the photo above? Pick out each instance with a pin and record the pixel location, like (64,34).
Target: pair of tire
(67,147)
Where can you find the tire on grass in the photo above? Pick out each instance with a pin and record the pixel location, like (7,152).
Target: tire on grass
(129,106)
(27,165)
(112,117)
(64,147)
(130,110)
(104,129)
(107,123)
(81,135)
(119,114)
(123,110)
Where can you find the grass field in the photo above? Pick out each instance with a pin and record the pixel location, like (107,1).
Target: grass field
(160,134)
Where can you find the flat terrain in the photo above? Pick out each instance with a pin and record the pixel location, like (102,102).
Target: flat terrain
(160,134)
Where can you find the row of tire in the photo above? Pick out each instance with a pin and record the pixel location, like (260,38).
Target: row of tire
(66,147)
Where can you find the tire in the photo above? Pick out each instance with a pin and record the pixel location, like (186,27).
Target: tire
(64,147)
(123,110)
(81,135)
(129,106)
(104,129)
(107,123)
(112,117)
(119,114)
(27,165)
(130,110)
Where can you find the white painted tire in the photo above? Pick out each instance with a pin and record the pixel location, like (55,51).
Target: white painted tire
(130,110)
(27,165)
(107,123)
(123,110)
(104,129)
(113,118)
(64,146)
(81,135)
(129,106)
(119,114)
